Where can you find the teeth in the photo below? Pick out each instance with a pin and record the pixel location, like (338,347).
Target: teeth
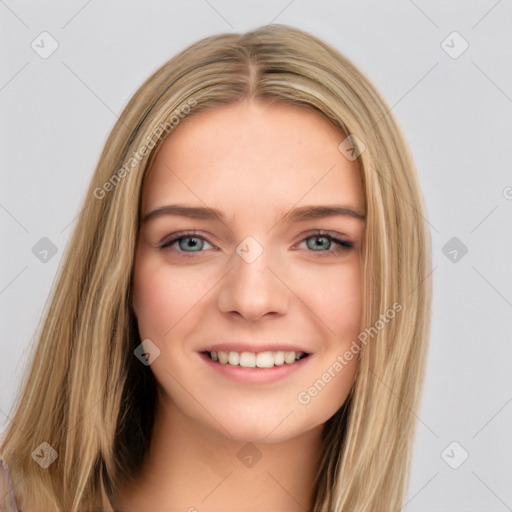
(265,360)
(289,357)
(234,358)
(259,360)
(278,358)
(247,359)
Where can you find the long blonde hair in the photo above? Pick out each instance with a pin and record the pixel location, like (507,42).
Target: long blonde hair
(91,399)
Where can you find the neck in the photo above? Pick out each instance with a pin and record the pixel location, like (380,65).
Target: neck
(190,467)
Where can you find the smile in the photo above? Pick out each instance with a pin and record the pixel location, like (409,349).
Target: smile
(267,359)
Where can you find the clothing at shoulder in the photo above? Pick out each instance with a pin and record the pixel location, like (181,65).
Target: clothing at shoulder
(7,500)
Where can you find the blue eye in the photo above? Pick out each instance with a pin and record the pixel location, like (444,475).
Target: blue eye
(193,243)
(321,243)
(187,243)
(327,244)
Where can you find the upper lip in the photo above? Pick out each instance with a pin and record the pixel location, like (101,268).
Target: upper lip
(252,347)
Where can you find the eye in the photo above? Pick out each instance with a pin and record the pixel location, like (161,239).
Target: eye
(321,242)
(187,242)
(326,244)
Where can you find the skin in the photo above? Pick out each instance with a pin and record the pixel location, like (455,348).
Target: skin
(254,161)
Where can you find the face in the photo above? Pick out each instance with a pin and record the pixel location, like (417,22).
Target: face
(250,251)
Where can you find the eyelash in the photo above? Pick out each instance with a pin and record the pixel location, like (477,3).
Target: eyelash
(341,246)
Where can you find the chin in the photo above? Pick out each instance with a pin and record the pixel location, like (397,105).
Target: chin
(265,429)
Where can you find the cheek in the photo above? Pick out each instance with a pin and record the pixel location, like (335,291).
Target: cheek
(335,298)
(334,295)
(328,388)
(162,296)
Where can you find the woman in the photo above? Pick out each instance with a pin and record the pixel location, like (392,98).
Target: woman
(245,302)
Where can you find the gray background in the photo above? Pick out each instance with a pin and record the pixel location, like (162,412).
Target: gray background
(455,112)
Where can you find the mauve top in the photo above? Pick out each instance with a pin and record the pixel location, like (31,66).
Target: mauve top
(7,501)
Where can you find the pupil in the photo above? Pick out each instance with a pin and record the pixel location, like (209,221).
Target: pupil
(190,243)
(320,242)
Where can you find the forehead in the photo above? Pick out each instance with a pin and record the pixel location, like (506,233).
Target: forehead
(253,156)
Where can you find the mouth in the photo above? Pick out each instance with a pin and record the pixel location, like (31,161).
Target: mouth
(267,359)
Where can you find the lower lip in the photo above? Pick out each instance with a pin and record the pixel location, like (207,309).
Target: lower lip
(254,375)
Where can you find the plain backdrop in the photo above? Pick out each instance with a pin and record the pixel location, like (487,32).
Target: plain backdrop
(445,69)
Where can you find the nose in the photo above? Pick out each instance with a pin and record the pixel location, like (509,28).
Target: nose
(253,289)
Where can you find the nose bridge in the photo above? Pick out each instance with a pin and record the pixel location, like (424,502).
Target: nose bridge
(251,288)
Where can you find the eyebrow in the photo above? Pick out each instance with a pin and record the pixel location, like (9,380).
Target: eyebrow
(302,213)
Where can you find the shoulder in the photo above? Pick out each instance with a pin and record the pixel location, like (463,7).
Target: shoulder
(7,500)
